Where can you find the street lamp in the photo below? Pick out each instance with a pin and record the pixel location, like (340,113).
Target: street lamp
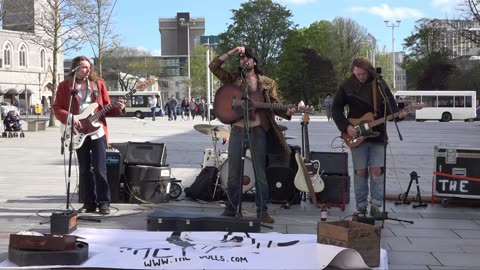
(393,25)
(208,45)
(188,24)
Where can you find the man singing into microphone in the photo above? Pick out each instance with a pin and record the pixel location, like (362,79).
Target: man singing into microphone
(265,135)
(88,89)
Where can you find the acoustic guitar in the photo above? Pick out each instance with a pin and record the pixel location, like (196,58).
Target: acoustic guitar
(228,105)
(365,124)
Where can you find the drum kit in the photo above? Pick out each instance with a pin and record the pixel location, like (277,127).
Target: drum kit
(219,158)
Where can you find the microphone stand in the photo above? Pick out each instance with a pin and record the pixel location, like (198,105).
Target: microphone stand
(245,141)
(384,214)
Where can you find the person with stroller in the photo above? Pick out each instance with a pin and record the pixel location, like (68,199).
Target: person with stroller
(12,121)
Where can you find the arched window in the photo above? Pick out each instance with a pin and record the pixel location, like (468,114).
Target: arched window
(42,59)
(22,56)
(7,54)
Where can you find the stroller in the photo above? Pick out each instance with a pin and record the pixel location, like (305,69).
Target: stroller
(12,126)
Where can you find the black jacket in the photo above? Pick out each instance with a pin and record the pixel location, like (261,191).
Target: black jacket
(359,99)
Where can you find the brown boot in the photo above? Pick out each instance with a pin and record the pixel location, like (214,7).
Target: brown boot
(265,218)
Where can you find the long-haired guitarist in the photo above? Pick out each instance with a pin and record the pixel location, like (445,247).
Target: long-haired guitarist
(363,92)
(262,126)
(89,89)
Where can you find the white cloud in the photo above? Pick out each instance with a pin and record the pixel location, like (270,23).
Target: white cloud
(157,52)
(447,6)
(389,13)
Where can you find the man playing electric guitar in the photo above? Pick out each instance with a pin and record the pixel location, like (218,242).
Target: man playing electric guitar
(94,189)
(365,92)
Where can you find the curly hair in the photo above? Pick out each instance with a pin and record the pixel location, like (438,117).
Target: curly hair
(93,76)
(250,53)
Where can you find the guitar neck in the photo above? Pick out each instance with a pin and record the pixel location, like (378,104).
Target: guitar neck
(96,116)
(273,106)
(383,119)
(306,143)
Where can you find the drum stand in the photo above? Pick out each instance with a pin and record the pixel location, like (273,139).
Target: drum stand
(216,164)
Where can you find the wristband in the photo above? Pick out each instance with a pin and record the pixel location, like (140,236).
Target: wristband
(228,54)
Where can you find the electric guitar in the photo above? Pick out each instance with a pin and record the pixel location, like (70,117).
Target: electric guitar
(228,105)
(308,170)
(365,124)
(90,119)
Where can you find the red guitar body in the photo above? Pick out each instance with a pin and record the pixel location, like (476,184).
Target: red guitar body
(228,105)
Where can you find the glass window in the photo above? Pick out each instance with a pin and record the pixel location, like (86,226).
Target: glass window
(445,101)
(459,101)
(42,59)
(429,101)
(22,56)
(7,55)
(468,101)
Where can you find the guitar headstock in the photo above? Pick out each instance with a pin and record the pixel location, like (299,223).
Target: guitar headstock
(306,109)
(415,107)
(141,84)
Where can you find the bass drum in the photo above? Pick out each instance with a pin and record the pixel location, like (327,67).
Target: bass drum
(248,181)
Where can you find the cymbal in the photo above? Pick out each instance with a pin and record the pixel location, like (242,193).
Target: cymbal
(282,127)
(290,137)
(213,130)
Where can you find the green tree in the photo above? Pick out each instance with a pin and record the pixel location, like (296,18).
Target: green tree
(426,58)
(262,25)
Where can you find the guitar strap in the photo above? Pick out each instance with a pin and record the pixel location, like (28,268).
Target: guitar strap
(95,89)
(374,94)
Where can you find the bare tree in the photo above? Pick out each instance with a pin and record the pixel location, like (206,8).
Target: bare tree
(56,28)
(98,28)
(464,24)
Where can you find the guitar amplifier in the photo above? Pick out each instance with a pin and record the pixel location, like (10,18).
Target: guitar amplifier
(331,163)
(336,191)
(115,174)
(146,153)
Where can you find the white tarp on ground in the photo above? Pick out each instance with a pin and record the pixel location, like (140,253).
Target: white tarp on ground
(134,249)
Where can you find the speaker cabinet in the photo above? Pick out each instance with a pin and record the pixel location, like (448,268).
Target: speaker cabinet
(281,187)
(146,154)
(337,189)
(331,163)
(115,175)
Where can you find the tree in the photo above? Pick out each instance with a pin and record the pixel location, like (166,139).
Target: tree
(125,64)
(262,25)
(425,54)
(348,39)
(98,28)
(469,14)
(57,29)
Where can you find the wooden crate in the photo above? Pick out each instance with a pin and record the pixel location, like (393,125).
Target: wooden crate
(364,238)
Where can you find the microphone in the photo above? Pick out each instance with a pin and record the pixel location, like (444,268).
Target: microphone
(75,69)
(245,65)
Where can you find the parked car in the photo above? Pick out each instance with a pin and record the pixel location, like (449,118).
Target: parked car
(5,107)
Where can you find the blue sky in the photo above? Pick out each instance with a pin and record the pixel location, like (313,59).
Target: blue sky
(137,21)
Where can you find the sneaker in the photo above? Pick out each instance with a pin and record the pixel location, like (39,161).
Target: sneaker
(361,211)
(265,218)
(375,211)
(87,209)
(228,213)
(104,210)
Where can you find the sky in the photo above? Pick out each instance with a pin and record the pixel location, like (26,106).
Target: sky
(136,21)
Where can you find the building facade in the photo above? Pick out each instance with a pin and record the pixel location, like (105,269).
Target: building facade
(451,39)
(25,67)
(177,35)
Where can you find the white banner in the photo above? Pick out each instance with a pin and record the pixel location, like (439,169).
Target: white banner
(133,249)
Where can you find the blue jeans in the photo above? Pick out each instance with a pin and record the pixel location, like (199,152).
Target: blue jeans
(153,112)
(364,156)
(93,172)
(259,154)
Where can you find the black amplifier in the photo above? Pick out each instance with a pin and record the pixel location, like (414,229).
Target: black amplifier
(115,173)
